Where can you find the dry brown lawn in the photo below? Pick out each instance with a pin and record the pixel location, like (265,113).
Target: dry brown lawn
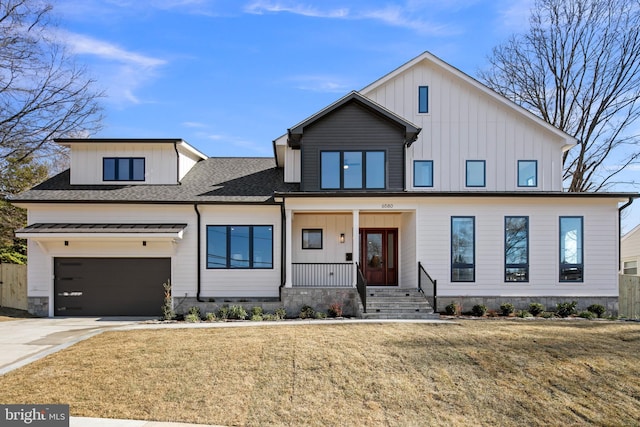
(492,372)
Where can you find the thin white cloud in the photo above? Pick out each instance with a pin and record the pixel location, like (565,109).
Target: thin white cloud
(194,125)
(392,15)
(85,45)
(514,15)
(120,71)
(260,7)
(319,83)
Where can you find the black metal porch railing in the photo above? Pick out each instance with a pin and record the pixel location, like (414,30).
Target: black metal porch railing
(428,286)
(361,284)
(314,274)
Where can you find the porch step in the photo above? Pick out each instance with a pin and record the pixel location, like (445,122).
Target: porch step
(397,303)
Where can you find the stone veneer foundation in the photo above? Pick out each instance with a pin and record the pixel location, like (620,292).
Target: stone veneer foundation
(292,299)
(38,306)
(522,303)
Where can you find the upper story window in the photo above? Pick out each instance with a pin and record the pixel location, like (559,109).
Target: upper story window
(123,169)
(423,173)
(347,170)
(423,99)
(476,173)
(239,246)
(571,251)
(527,173)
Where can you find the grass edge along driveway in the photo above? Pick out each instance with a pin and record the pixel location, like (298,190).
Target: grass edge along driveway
(500,372)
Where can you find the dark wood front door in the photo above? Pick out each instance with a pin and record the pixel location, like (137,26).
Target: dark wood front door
(379,256)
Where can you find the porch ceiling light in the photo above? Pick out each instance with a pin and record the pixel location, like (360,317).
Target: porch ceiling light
(341,237)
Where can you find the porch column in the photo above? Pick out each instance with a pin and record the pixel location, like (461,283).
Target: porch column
(355,243)
(288,213)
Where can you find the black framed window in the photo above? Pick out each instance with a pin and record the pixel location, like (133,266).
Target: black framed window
(463,249)
(123,169)
(527,173)
(476,173)
(239,246)
(571,249)
(311,238)
(352,170)
(516,249)
(423,173)
(423,99)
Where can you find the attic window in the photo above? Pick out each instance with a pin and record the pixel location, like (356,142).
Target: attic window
(123,169)
(423,99)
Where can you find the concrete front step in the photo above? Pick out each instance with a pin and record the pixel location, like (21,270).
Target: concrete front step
(397,303)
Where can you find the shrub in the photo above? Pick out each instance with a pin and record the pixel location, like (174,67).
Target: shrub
(307,312)
(223,312)
(524,314)
(267,317)
(478,310)
(167,307)
(548,314)
(566,309)
(192,318)
(451,309)
(320,315)
(195,310)
(335,310)
(597,309)
(535,308)
(506,308)
(586,314)
(256,318)
(237,312)
(280,313)
(211,317)
(256,311)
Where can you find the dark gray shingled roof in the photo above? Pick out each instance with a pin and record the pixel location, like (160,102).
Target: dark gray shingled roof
(215,180)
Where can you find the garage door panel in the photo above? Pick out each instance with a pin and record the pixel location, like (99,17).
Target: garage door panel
(110,286)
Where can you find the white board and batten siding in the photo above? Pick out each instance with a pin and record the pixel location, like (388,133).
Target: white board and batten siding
(182,252)
(161,162)
(599,241)
(241,282)
(464,123)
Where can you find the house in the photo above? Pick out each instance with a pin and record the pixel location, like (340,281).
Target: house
(630,252)
(423,180)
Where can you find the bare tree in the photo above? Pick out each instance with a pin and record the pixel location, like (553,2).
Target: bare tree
(43,94)
(578,67)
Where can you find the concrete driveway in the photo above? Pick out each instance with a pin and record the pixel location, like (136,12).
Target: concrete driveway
(27,340)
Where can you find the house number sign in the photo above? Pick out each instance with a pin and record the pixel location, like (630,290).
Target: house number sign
(387,206)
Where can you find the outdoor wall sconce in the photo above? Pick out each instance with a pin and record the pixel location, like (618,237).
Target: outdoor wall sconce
(144,243)
(341,237)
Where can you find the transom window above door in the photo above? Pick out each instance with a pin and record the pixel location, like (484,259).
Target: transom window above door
(352,170)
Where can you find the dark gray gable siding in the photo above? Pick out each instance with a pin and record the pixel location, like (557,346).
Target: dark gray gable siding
(352,127)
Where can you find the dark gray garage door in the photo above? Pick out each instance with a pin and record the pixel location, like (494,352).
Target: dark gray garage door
(110,286)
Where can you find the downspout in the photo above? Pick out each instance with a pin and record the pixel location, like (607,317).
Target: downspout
(283,246)
(175,147)
(620,209)
(199,254)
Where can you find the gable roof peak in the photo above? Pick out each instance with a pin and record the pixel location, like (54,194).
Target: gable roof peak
(294,134)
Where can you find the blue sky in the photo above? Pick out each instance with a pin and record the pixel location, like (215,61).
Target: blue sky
(229,76)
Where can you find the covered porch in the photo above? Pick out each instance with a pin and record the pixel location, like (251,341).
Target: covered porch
(333,248)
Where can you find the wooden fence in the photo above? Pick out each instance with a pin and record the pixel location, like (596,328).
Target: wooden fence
(629,297)
(13,286)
